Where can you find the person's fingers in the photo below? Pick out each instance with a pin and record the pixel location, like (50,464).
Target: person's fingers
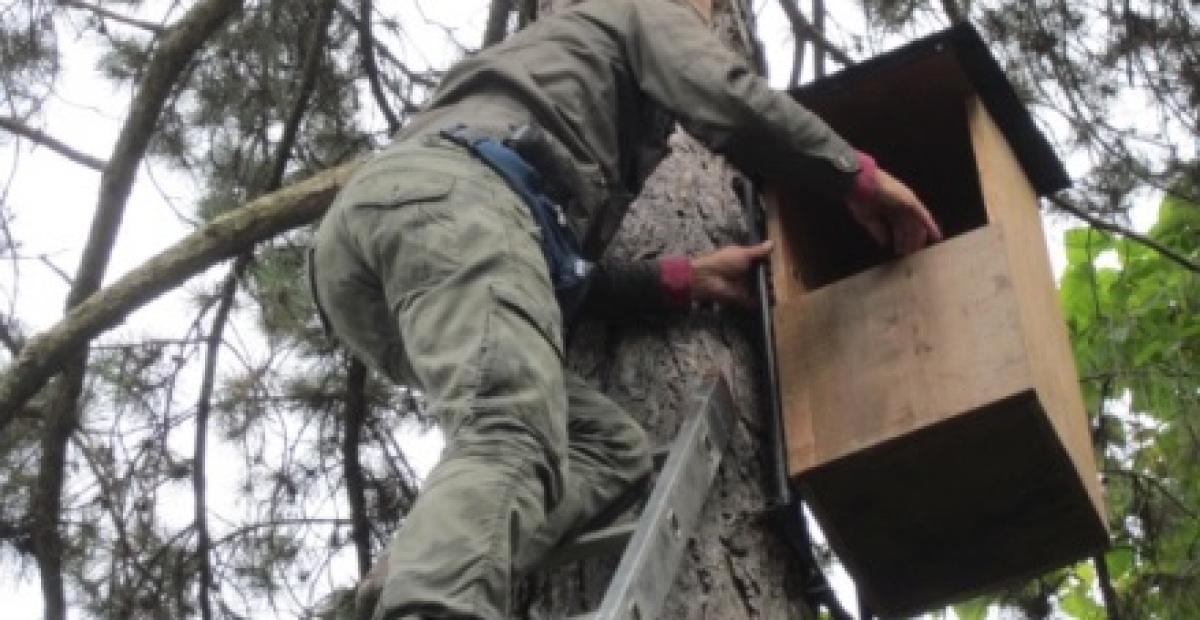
(911,236)
(760,250)
(925,218)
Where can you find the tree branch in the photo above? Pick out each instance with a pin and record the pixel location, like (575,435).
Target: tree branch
(497,22)
(200,453)
(221,239)
(312,62)
(819,48)
(171,55)
(1063,203)
(116,17)
(367,50)
(1107,591)
(953,11)
(355,413)
(54,144)
(803,29)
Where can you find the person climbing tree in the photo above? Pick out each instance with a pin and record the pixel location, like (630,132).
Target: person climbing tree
(456,259)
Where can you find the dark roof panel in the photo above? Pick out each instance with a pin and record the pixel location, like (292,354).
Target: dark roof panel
(954,61)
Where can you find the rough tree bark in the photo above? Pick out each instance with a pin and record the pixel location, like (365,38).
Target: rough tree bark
(736,567)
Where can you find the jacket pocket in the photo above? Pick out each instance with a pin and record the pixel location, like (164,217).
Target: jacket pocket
(392,187)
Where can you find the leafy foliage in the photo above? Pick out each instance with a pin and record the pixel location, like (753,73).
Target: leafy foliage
(1136,335)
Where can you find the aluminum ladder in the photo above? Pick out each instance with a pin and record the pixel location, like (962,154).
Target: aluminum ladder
(653,543)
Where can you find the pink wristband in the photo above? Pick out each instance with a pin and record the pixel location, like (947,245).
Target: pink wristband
(675,274)
(866,184)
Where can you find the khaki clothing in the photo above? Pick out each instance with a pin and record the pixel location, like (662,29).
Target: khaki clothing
(606,79)
(430,270)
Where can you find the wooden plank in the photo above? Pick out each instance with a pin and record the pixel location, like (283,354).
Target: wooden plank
(1011,202)
(899,347)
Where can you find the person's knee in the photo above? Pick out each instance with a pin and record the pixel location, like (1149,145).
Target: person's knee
(637,452)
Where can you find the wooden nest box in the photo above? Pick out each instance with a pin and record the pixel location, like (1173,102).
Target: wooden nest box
(932,409)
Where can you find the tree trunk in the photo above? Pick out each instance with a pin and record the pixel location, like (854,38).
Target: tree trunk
(735,567)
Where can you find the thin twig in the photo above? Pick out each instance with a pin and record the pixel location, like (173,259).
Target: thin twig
(40,137)
(802,28)
(116,17)
(371,68)
(1063,203)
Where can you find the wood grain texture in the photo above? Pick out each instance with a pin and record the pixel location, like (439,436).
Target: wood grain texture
(1012,203)
(899,347)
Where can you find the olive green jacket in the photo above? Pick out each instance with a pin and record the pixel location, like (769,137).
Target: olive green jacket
(606,81)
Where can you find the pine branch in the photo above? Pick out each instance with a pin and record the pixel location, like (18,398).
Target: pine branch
(171,55)
(104,13)
(367,50)
(308,81)
(36,135)
(1063,203)
(221,239)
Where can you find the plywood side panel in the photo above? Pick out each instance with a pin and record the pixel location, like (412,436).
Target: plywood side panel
(784,282)
(899,347)
(1011,202)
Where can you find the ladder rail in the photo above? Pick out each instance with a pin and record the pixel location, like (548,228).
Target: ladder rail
(647,569)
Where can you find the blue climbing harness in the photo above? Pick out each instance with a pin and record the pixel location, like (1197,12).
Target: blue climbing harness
(569,270)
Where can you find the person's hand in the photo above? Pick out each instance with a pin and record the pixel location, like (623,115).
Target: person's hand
(723,275)
(896,216)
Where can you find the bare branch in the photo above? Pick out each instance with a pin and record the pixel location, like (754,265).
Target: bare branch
(497,22)
(223,238)
(308,80)
(200,453)
(820,50)
(116,17)
(11,340)
(1063,203)
(54,144)
(953,11)
(526,12)
(355,413)
(367,50)
(803,29)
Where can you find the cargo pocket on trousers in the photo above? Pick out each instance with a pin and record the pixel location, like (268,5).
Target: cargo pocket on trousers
(545,320)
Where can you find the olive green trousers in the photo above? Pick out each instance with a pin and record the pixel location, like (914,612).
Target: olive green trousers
(428,268)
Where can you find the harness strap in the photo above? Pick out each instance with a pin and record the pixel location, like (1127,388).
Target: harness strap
(569,270)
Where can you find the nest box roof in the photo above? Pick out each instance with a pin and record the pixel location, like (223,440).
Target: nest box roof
(952,63)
